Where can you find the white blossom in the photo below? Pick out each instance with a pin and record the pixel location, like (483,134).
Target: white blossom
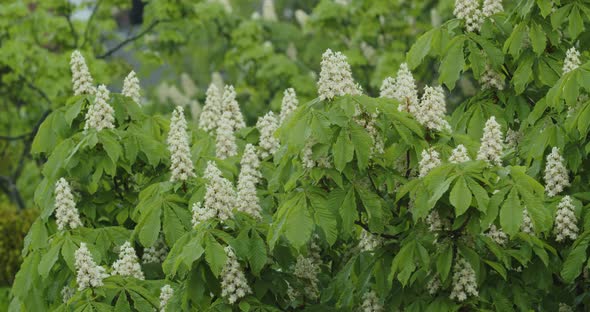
(217,80)
(212,110)
(564,308)
(128,263)
(181,165)
(250,175)
(268,11)
(402,88)
(497,235)
(291,51)
(66,213)
(572,60)
(459,155)
(491,79)
(88,273)
(369,52)
(565,220)
(556,177)
(369,122)
(433,285)
(369,242)
(436,223)
(131,87)
(201,214)
(288,104)
(100,114)
(336,77)
(430,160)
(301,17)
(234,285)
(67,293)
(491,143)
(81,79)
(371,303)
(307,158)
(464,281)
(432,108)
(527,223)
(220,195)
(491,7)
(166,293)
(512,138)
(469,11)
(267,125)
(307,269)
(188,85)
(225,142)
(156,253)
(229,104)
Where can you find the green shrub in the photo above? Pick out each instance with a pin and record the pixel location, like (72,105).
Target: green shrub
(14,225)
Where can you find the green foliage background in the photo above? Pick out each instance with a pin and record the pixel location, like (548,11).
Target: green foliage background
(121,176)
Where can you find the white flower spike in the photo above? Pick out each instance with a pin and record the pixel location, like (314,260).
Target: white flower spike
(556,177)
(88,273)
(212,109)
(65,208)
(267,125)
(81,79)
(234,285)
(250,175)
(128,263)
(131,87)
(572,60)
(430,160)
(566,224)
(336,77)
(100,114)
(181,165)
(491,143)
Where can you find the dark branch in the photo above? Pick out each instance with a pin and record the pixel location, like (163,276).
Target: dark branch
(72,30)
(366,228)
(9,187)
(14,138)
(36,89)
(87,29)
(128,40)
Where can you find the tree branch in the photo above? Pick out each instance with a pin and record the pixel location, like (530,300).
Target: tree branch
(68,18)
(87,29)
(129,40)
(14,138)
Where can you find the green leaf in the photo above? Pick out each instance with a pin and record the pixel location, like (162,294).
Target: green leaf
(443,262)
(497,267)
(420,48)
(480,194)
(149,226)
(122,304)
(299,224)
(173,222)
(324,216)
(572,266)
(523,74)
(460,196)
(538,39)
(110,144)
(345,201)
(257,253)
(453,63)
(372,204)
(511,213)
(214,254)
(49,259)
(576,24)
(362,142)
(343,150)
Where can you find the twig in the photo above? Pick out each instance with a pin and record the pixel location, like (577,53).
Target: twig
(129,40)
(68,18)
(35,88)
(14,138)
(87,29)
(366,228)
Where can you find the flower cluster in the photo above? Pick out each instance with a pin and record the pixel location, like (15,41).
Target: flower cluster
(67,293)
(229,104)
(512,138)
(564,308)
(430,160)
(267,125)
(156,253)
(220,196)
(201,214)
(233,281)
(181,165)
(65,207)
(336,77)
(464,282)
(308,161)
(288,104)
(459,155)
(565,220)
(431,111)
(527,223)
(436,223)
(127,264)
(249,176)
(469,11)
(369,242)
(81,79)
(556,178)
(88,273)
(369,122)
(307,269)
(371,303)
(491,143)
(572,60)
(212,109)
(491,79)
(268,11)
(225,142)
(491,7)
(166,293)
(402,88)
(131,87)
(497,235)
(100,115)
(433,285)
